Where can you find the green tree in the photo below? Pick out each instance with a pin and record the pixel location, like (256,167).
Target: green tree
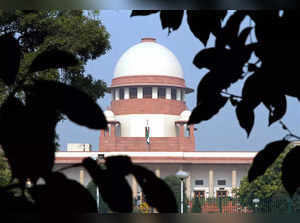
(196,208)
(5,173)
(175,185)
(267,188)
(75,31)
(103,206)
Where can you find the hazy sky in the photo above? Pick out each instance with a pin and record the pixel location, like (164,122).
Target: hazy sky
(222,132)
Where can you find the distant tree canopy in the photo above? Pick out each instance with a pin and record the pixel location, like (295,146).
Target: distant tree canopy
(266,186)
(261,52)
(175,185)
(76,31)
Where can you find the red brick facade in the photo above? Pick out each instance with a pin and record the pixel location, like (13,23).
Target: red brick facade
(136,80)
(138,144)
(148,106)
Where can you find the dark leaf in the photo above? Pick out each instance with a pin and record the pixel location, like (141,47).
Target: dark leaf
(10,58)
(243,36)
(277,108)
(210,58)
(53,59)
(266,158)
(232,27)
(245,115)
(171,19)
(233,101)
(207,109)
(252,90)
(119,165)
(142,12)
(290,171)
(108,184)
(202,23)
(15,121)
(10,203)
(157,192)
(63,194)
(252,67)
(77,105)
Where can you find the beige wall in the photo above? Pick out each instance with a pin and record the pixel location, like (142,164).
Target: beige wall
(196,171)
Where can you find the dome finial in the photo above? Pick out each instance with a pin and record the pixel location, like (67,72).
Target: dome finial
(148,39)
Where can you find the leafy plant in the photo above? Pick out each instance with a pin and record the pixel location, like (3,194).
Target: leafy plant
(261,53)
(32,118)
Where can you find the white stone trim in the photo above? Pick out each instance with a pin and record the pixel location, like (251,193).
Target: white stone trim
(163,154)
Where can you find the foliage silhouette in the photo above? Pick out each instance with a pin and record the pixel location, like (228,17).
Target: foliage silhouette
(38,31)
(247,51)
(32,118)
(11,54)
(67,196)
(157,192)
(260,163)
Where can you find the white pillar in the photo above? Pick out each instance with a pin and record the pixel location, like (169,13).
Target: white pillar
(178,94)
(155,92)
(168,93)
(211,183)
(117,94)
(81,177)
(157,172)
(181,199)
(126,93)
(139,92)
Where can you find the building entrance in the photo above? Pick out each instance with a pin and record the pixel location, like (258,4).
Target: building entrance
(199,194)
(221,193)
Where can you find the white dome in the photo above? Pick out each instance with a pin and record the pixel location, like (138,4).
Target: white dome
(185,115)
(148,58)
(109,115)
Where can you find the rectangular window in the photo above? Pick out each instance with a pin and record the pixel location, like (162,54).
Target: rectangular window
(173,93)
(221,182)
(133,92)
(161,92)
(182,95)
(198,182)
(147,92)
(121,93)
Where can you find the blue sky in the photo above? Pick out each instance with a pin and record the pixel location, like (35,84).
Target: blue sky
(222,132)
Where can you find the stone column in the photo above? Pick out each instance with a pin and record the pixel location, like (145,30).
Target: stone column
(233,183)
(117,94)
(155,92)
(178,94)
(168,93)
(134,187)
(211,183)
(157,172)
(81,177)
(126,93)
(139,92)
(188,187)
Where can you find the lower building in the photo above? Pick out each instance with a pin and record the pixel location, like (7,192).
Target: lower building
(211,173)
